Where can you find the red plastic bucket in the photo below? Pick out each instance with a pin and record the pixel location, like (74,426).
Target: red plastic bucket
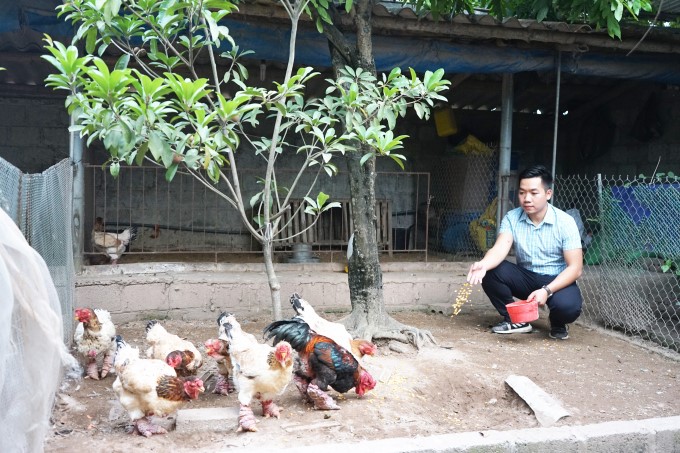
(523,311)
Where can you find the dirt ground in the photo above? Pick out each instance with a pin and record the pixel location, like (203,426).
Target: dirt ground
(457,386)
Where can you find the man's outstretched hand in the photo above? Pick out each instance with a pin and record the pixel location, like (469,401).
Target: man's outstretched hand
(476,274)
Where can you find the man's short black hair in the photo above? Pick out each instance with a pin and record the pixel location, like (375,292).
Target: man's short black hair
(538,171)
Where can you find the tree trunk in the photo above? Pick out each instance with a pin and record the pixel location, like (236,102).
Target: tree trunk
(369,318)
(365,273)
(274,285)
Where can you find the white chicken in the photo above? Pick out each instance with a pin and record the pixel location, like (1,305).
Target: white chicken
(180,354)
(94,340)
(260,371)
(147,387)
(112,245)
(333,330)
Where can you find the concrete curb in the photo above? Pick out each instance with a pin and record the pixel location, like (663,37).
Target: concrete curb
(649,435)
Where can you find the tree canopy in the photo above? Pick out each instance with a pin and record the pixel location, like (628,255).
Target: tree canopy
(603,14)
(178,97)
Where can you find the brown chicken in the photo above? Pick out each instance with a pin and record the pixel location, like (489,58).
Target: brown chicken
(147,387)
(260,371)
(219,350)
(322,363)
(94,342)
(180,354)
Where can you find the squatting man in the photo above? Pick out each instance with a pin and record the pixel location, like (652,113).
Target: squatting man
(549,258)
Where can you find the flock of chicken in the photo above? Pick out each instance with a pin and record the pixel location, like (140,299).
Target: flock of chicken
(313,352)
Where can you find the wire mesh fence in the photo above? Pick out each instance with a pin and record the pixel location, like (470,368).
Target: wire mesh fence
(185,219)
(10,190)
(41,206)
(629,230)
(463,214)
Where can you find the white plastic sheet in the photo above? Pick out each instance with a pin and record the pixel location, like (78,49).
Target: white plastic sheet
(32,351)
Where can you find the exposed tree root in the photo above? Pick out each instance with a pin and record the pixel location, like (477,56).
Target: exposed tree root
(386,328)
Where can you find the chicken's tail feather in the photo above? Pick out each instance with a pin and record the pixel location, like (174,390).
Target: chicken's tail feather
(128,235)
(102,315)
(155,331)
(124,352)
(132,233)
(295,331)
(120,343)
(221,319)
(151,324)
(295,302)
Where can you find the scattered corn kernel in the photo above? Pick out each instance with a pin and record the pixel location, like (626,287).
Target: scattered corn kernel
(462,296)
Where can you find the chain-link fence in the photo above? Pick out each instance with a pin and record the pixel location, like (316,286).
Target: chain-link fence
(462,210)
(41,206)
(630,232)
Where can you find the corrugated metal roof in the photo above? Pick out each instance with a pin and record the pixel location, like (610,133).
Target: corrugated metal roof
(670,9)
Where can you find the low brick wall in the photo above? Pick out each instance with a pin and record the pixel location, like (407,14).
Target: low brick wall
(201,291)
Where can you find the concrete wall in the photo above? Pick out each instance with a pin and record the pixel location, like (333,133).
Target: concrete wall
(202,291)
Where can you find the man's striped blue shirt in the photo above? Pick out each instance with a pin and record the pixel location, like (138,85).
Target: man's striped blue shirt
(541,248)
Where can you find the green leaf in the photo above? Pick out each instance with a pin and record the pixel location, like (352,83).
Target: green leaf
(398,159)
(365,157)
(160,149)
(111,9)
(170,172)
(114,168)
(122,62)
(141,152)
(419,110)
(255,199)
(321,199)
(332,205)
(213,171)
(311,202)
(618,13)
(613,27)
(91,40)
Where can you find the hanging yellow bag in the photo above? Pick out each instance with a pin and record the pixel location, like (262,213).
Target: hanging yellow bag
(483,229)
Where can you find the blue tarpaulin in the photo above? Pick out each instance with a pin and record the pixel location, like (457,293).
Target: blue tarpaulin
(270,43)
(39,16)
(424,54)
